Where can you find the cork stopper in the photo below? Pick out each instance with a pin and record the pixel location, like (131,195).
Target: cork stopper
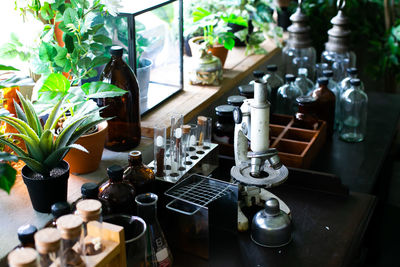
(47,240)
(89,209)
(23,257)
(201,120)
(70,226)
(186,129)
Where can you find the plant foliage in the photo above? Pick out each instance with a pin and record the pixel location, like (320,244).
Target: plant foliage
(7,172)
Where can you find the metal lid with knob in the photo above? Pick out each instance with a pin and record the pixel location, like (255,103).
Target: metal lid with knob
(271,227)
(339,34)
(299,31)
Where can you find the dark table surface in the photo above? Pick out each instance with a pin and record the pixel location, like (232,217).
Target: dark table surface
(359,164)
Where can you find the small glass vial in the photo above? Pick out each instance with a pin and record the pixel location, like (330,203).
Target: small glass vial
(333,86)
(302,81)
(90,212)
(274,81)
(159,150)
(325,104)
(147,209)
(47,243)
(70,227)
(305,118)
(236,100)
(117,195)
(26,236)
(57,210)
(23,257)
(175,150)
(186,140)
(138,174)
(353,103)
(286,96)
(201,130)
(345,83)
(225,125)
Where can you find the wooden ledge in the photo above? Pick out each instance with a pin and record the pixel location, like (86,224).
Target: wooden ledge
(194,99)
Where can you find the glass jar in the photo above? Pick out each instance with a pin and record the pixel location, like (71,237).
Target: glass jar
(124,127)
(286,96)
(90,212)
(25,236)
(147,209)
(303,82)
(47,243)
(205,69)
(274,81)
(224,126)
(325,103)
(117,195)
(353,103)
(23,257)
(306,118)
(138,174)
(70,227)
(236,100)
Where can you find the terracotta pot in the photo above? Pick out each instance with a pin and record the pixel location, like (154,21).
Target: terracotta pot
(217,50)
(81,162)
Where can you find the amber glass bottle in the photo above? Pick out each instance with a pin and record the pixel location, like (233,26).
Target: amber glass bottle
(116,195)
(138,174)
(325,103)
(305,117)
(124,128)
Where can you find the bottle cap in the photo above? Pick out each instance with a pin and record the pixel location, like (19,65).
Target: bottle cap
(355,82)
(89,209)
(90,190)
(186,129)
(116,50)
(236,100)
(323,80)
(258,74)
(69,226)
(290,77)
(305,99)
(272,67)
(327,73)
(115,172)
(352,71)
(25,257)
(60,208)
(303,71)
(26,232)
(225,110)
(247,90)
(47,240)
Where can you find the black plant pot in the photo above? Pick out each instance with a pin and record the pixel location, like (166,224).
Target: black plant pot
(45,192)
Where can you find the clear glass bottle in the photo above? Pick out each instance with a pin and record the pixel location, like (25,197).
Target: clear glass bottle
(345,83)
(47,243)
(333,86)
(286,96)
(124,127)
(23,257)
(275,81)
(117,195)
(138,174)
(90,212)
(147,209)
(353,103)
(303,82)
(325,104)
(25,236)
(224,126)
(70,227)
(57,210)
(160,143)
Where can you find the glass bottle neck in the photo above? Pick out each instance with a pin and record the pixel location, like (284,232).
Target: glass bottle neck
(135,160)
(147,211)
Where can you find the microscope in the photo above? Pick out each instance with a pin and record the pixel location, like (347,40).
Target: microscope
(260,168)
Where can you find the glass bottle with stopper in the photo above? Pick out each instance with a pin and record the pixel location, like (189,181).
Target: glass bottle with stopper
(47,243)
(26,257)
(286,96)
(138,174)
(345,83)
(337,52)
(298,51)
(70,227)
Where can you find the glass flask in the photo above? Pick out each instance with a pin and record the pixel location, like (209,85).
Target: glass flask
(345,83)
(117,195)
(160,146)
(124,127)
(138,174)
(303,82)
(224,126)
(274,81)
(306,117)
(70,227)
(333,86)
(325,103)
(147,209)
(353,103)
(25,236)
(286,96)
(47,243)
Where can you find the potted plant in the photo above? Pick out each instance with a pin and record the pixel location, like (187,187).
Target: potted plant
(54,87)
(143,65)
(46,173)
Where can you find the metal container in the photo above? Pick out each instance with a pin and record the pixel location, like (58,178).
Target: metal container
(271,227)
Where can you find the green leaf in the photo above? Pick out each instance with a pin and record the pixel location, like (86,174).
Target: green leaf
(8,51)
(82,130)
(95,28)
(55,82)
(35,165)
(21,127)
(101,90)
(99,61)
(30,115)
(84,63)
(47,52)
(101,38)
(52,120)
(66,133)
(61,57)
(14,147)
(69,43)
(33,147)
(46,12)
(46,142)
(4,67)
(20,112)
(71,17)
(7,177)
(56,156)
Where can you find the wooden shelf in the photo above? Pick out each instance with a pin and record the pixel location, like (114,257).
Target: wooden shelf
(194,99)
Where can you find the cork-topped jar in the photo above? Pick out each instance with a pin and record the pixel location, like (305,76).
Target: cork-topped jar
(47,242)
(89,210)
(201,127)
(23,257)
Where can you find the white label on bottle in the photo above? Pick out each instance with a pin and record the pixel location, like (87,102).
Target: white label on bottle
(178,133)
(162,254)
(159,141)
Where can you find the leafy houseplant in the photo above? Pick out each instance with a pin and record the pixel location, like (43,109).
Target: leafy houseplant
(45,173)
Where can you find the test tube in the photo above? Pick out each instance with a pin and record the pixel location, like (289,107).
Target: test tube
(159,150)
(201,129)
(176,153)
(185,141)
(193,137)
(208,134)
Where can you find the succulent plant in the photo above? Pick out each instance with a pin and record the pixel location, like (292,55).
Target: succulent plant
(45,149)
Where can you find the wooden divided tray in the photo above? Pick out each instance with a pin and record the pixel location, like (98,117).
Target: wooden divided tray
(296,147)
